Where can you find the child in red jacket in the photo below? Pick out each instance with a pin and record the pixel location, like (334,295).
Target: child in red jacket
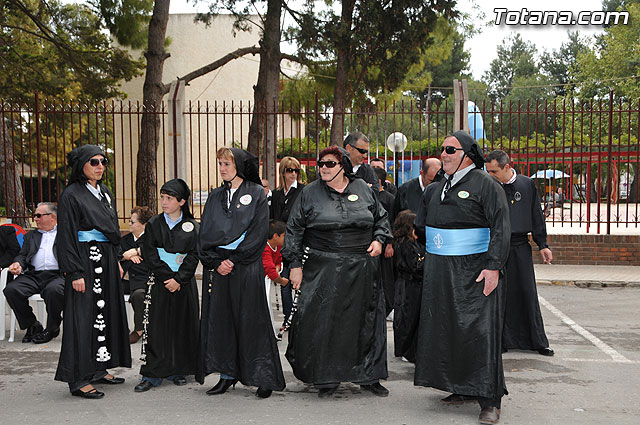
(272,259)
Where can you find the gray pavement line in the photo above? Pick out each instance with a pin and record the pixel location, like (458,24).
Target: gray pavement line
(570,359)
(617,357)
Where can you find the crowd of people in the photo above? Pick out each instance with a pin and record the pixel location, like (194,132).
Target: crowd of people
(447,252)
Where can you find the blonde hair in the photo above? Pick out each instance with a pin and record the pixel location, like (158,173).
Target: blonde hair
(225,153)
(288,162)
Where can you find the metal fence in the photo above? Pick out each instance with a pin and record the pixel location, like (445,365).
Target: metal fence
(592,149)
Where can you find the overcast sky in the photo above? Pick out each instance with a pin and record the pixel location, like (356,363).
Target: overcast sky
(483,45)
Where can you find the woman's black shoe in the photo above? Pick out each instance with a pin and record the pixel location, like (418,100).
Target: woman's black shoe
(93,393)
(263,393)
(111,381)
(222,386)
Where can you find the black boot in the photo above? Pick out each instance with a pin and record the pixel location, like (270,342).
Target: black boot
(222,386)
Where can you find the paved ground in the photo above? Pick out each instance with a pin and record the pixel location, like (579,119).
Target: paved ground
(593,379)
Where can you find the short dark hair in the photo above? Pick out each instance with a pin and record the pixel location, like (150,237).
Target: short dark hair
(380,173)
(353,138)
(331,150)
(378,160)
(144,213)
(276,227)
(500,156)
(425,165)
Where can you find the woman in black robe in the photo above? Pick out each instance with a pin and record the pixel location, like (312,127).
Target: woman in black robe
(236,334)
(281,203)
(170,336)
(336,229)
(95,333)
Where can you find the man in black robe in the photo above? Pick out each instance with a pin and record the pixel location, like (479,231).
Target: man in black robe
(409,194)
(386,184)
(466,221)
(36,271)
(357,144)
(523,326)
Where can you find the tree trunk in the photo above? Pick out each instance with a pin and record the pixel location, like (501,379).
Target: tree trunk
(263,131)
(342,72)
(11,187)
(153,89)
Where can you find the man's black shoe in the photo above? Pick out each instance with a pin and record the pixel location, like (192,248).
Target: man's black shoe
(376,388)
(32,331)
(45,336)
(143,386)
(546,352)
(180,381)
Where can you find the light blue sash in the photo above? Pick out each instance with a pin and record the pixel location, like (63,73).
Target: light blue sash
(233,245)
(91,235)
(173,260)
(457,241)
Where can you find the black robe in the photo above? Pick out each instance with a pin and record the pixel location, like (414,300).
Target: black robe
(173,326)
(339,331)
(236,335)
(523,325)
(409,197)
(78,210)
(409,261)
(386,264)
(460,331)
(138,273)
(9,246)
(366,173)
(281,204)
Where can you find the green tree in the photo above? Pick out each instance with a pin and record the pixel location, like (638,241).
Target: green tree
(558,64)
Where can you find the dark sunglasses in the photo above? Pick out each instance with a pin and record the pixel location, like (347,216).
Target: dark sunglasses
(38,215)
(450,149)
(292,170)
(362,151)
(94,162)
(328,164)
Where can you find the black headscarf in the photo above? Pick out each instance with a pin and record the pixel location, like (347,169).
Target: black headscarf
(247,165)
(80,156)
(470,147)
(347,166)
(179,189)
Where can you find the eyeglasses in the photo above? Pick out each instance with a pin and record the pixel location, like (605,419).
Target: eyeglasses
(95,162)
(362,151)
(292,170)
(328,164)
(38,215)
(450,150)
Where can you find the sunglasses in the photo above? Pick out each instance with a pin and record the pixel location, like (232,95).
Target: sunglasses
(38,215)
(450,150)
(292,170)
(362,151)
(328,164)
(95,162)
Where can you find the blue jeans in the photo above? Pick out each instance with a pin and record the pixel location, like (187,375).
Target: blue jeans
(287,294)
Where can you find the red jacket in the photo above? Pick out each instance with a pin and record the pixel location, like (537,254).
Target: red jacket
(271,259)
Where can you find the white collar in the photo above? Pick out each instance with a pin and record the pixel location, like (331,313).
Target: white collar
(95,191)
(460,174)
(513,177)
(294,184)
(55,229)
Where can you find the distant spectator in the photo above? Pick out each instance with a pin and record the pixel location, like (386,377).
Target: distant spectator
(386,184)
(272,259)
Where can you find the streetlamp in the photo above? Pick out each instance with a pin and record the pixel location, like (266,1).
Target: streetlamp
(396,143)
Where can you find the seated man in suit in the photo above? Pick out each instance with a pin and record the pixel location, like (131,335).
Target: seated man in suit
(36,271)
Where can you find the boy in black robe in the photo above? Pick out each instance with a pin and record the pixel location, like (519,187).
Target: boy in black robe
(170,337)
(466,220)
(523,326)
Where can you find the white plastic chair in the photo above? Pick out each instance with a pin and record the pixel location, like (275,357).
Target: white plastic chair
(3,312)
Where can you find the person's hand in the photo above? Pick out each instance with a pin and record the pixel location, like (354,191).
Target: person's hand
(375,249)
(225,268)
(15,268)
(388,251)
(490,280)
(172,285)
(546,255)
(78,285)
(136,259)
(121,270)
(295,277)
(128,254)
(284,281)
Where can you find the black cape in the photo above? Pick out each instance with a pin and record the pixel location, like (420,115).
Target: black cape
(409,197)
(281,204)
(339,331)
(78,210)
(409,262)
(460,331)
(387,272)
(236,335)
(9,246)
(523,325)
(173,325)
(138,273)
(366,173)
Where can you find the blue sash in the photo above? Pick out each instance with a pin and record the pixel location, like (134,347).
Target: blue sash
(233,245)
(173,260)
(457,241)
(91,235)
